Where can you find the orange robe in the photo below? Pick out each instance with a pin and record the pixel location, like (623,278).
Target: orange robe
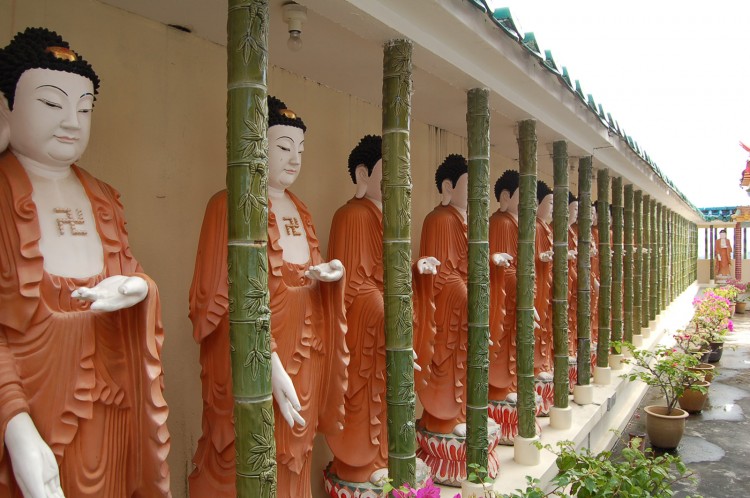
(543,355)
(503,238)
(357,241)
(92,382)
(444,398)
(572,292)
(307,328)
(723,267)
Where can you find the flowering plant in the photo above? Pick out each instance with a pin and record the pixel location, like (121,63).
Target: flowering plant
(728,291)
(740,286)
(666,368)
(711,318)
(429,490)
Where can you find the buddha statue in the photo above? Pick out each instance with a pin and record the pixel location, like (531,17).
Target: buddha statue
(81,404)
(361,450)
(308,326)
(543,354)
(572,275)
(444,236)
(503,240)
(723,254)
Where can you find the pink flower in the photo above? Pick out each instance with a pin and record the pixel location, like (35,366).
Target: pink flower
(730,326)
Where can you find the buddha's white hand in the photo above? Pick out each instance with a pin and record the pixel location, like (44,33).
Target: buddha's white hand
(114,293)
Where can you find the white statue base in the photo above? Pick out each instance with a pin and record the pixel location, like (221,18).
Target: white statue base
(445,454)
(583,395)
(505,413)
(343,489)
(615,361)
(525,451)
(603,376)
(561,418)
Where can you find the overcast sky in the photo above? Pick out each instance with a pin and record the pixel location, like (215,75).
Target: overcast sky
(674,74)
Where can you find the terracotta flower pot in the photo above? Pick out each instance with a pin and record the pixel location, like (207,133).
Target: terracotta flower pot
(706,369)
(665,431)
(740,306)
(717,348)
(692,400)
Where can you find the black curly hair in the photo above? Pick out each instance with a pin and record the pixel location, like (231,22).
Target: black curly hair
(507,181)
(39,48)
(280,114)
(571,198)
(368,151)
(542,190)
(451,169)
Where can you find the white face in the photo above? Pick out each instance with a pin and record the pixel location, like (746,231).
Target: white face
(374,191)
(513,201)
(573,212)
(51,117)
(544,211)
(285,147)
(460,196)
(723,235)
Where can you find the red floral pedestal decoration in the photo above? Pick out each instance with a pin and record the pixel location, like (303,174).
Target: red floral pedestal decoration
(546,390)
(505,414)
(572,373)
(337,488)
(445,454)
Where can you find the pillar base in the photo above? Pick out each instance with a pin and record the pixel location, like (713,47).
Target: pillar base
(583,395)
(652,324)
(602,376)
(637,341)
(645,332)
(561,418)
(525,452)
(615,361)
(475,490)
(627,352)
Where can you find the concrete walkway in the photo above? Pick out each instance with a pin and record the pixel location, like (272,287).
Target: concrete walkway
(716,445)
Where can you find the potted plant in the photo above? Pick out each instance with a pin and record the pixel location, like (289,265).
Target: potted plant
(729,292)
(666,368)
(584,474)
(712,318)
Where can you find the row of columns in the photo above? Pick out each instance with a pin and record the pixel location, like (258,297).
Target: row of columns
(639,224)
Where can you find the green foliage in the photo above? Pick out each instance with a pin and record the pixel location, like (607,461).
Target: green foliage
(667,368)
(634,474)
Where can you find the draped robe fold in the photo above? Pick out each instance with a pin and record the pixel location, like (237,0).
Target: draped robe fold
(91,381)
(444,237)
(308,326)
(356,240)
(503,238)
(543,355)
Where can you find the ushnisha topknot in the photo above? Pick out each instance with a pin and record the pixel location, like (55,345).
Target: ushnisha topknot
(280,114)
(368,151)
(39,48)
(571,198)
(542,190)
(507,181)
(451,169)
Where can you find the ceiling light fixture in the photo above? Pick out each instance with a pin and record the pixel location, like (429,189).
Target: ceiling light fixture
(294,16)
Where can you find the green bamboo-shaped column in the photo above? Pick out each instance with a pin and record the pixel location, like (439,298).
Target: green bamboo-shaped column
(672,254)
(583,268)
(605,267)
(694,262)
(617,290)
(560,273)
(525,285)
(637,260)
(665,258)
(478,126)
(247,224)
(653,243)
(656,261)
(646,258)
(396,188)
(628,265)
